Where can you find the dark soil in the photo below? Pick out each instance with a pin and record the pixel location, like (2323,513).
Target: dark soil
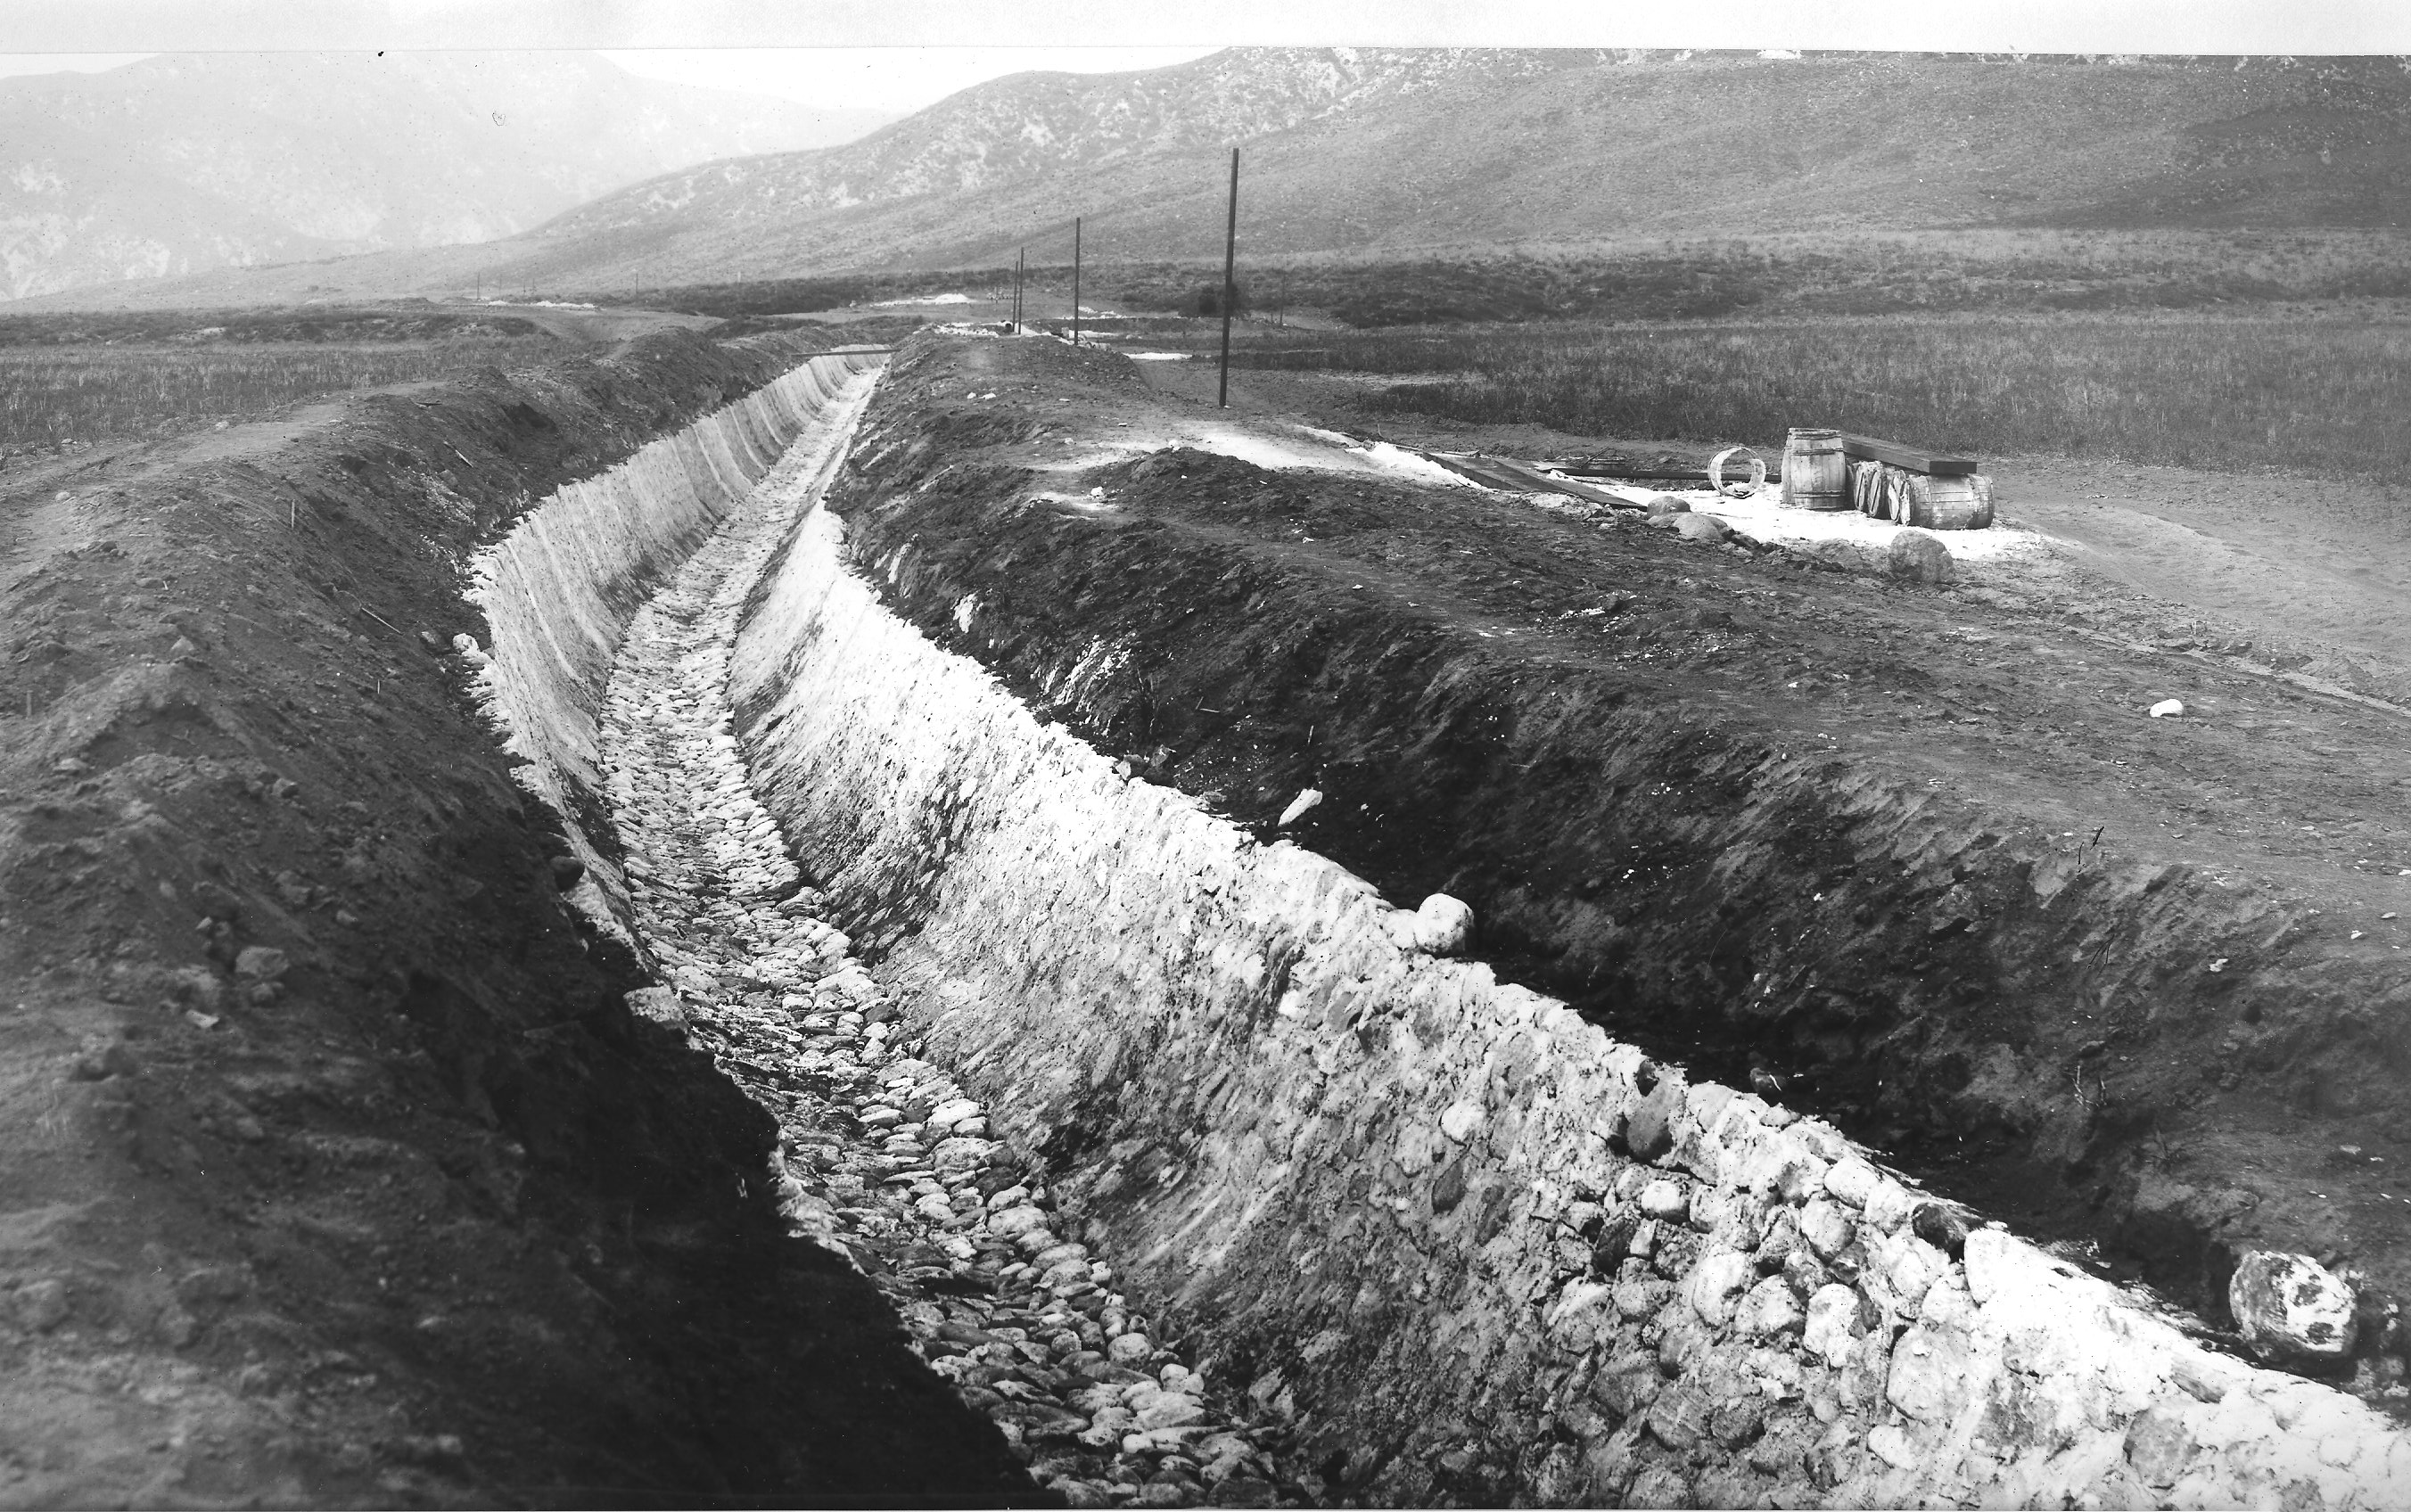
(432,1219)
(1912,858)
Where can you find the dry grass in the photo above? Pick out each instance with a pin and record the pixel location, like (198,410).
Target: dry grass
(54,396)
(2322,397)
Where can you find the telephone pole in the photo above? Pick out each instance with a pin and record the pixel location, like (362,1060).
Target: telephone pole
(1076,281)
(1230,280)
(1020,272)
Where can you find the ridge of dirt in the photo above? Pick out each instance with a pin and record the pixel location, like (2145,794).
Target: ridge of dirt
(333,1169)
(1910,857)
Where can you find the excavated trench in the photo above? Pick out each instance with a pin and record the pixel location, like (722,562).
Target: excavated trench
(1200,1167)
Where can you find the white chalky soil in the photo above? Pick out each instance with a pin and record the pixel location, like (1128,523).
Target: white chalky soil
(883,1159)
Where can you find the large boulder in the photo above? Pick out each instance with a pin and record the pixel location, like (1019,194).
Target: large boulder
(2291,1309)
(1920,555)
(1706,528)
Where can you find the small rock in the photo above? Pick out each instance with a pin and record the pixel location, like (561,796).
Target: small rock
(1714,1284)
(1705,528)
(2290,1307)
(1443,925)
(1940,1228)
(566,870)
(260,963)
(2159,1447)
(2168,709)
(1667,504)
(1297,806)
(1461,1119)
(1768,1309)
(1827,1227)
(1854,1181)
(1833,1314)
(1128,1349)
(1663,1201)
(1920,557)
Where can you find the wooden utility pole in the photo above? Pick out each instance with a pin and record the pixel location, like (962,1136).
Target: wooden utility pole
(1230,280)
(1020,272)
(1076,281)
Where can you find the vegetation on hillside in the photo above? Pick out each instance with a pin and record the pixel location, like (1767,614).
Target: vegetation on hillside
(2322,397)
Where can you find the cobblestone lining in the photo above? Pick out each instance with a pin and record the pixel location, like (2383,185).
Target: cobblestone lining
(882,1156)
(1462,1245)
(1465,1245)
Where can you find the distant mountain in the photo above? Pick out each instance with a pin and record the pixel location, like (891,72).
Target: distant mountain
(1373,150)
(182,163)
(1352,150)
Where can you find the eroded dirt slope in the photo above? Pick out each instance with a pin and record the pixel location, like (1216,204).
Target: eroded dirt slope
(1914,855)
(332,1167)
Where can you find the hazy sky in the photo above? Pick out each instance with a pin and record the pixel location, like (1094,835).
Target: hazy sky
(901,54)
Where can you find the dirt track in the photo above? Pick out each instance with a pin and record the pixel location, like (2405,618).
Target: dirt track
(1916,852)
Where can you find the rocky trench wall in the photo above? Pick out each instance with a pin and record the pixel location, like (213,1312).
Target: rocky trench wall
(1469,1246)
(559,589)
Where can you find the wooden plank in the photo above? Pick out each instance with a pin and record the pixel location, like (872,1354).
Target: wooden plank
(1914,458)
(1515,477)
(1535,481)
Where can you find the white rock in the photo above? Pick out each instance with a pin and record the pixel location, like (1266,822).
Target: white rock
(1664,1200)
(1768,1309)
(952,1112)
(1298,805)
(2290,1307)
(1851,1180)
(1461,1120)
(1443,925)
(1714,1282)
(2168,709)
(1833,1312)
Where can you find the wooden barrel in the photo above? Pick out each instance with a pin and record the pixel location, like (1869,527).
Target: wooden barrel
(1815,474)
(1867,488)
(1947,503)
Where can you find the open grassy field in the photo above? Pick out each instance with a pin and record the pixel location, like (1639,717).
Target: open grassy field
(2302,394)
(73,379)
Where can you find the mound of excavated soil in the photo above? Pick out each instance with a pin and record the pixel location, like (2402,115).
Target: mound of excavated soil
(333,1169)
(1914,855)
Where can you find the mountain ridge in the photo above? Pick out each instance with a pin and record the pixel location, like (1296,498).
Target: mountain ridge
(181,163)
(1399,151)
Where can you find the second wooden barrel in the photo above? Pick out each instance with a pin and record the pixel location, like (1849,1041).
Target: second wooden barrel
(1816,476)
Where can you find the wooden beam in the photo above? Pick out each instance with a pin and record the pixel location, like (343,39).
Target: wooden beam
(1914,458)
(1515,477)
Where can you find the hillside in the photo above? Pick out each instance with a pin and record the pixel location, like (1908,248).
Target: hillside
(180,164)
(1399,151)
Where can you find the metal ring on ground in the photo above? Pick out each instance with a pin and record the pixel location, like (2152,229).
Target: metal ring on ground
(1717,474)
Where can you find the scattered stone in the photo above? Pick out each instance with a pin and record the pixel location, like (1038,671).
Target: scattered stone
(1297,808)
(2168,709)
(2290,1309)
(1702,528)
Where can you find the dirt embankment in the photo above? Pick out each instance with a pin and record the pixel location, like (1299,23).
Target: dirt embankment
(332,1167)
(1905,855)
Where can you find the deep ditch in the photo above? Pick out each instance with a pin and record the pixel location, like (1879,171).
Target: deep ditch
(893,1013)
(1442,1239)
